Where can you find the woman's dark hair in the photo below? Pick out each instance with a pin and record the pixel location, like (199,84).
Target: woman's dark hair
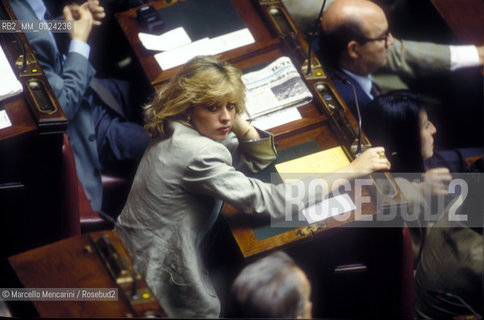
(392,121)
(268,288)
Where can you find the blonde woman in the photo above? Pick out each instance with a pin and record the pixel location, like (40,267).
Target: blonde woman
(199,144)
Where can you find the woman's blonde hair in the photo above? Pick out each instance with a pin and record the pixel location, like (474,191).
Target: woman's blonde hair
(202,80)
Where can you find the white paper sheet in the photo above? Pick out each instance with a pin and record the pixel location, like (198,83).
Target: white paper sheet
(277,118)
(231,41)
(9,85)
(206,46)
(329,208)
(180,55)
(167,41)
(4,120)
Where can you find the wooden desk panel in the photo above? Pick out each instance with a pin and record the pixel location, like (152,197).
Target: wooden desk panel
(21,120)
(271,43)
(246,9)
(325,120)
(242,227)
(465,18)
(76,263)
(329,126)
(30,159)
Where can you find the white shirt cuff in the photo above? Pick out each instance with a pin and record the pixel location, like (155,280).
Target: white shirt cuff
(80,47)
(463,57)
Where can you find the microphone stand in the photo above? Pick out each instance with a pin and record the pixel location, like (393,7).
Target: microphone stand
(358,147)
(24,54)
(439,293)
(312,35)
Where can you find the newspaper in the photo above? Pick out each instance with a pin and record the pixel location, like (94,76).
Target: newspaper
(274,87)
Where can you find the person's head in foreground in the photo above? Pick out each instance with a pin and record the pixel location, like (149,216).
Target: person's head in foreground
(272,287)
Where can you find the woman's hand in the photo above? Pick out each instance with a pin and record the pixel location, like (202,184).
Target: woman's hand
(371,160)
(435,181)
(243,129)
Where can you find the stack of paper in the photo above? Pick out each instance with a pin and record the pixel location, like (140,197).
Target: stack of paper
(205,46)
(320,162)
(9,85)
(167,41)
(178,48)
(325,161)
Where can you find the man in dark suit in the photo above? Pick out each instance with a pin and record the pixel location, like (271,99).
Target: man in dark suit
(96,109)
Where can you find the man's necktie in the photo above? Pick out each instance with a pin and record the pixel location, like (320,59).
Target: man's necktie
(107,97)
(375,90)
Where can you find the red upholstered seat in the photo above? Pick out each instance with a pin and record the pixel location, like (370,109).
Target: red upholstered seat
(89,219)
(115,193)
(78,214)
(71,224)
(407,301)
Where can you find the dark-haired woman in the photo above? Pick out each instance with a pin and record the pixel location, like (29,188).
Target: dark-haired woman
(399,121)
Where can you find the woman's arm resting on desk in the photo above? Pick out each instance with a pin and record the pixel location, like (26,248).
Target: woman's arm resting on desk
(371,160)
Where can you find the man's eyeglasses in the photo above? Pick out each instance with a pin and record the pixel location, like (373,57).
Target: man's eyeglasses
(385,37)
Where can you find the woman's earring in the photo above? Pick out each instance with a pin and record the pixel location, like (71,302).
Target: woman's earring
(189,119)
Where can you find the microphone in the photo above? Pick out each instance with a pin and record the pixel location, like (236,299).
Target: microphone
(440,292)
(312,36)
(24,53)
(358,147)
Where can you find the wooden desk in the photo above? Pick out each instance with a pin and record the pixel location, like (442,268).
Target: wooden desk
(465,18)
(275,35)
(95,260)
(31,157)
(325,120)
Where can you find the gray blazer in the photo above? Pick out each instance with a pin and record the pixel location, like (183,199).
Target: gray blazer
(69,81)
(417,59)
(170,204)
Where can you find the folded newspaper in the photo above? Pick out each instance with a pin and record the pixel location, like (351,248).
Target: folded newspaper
(274,87)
